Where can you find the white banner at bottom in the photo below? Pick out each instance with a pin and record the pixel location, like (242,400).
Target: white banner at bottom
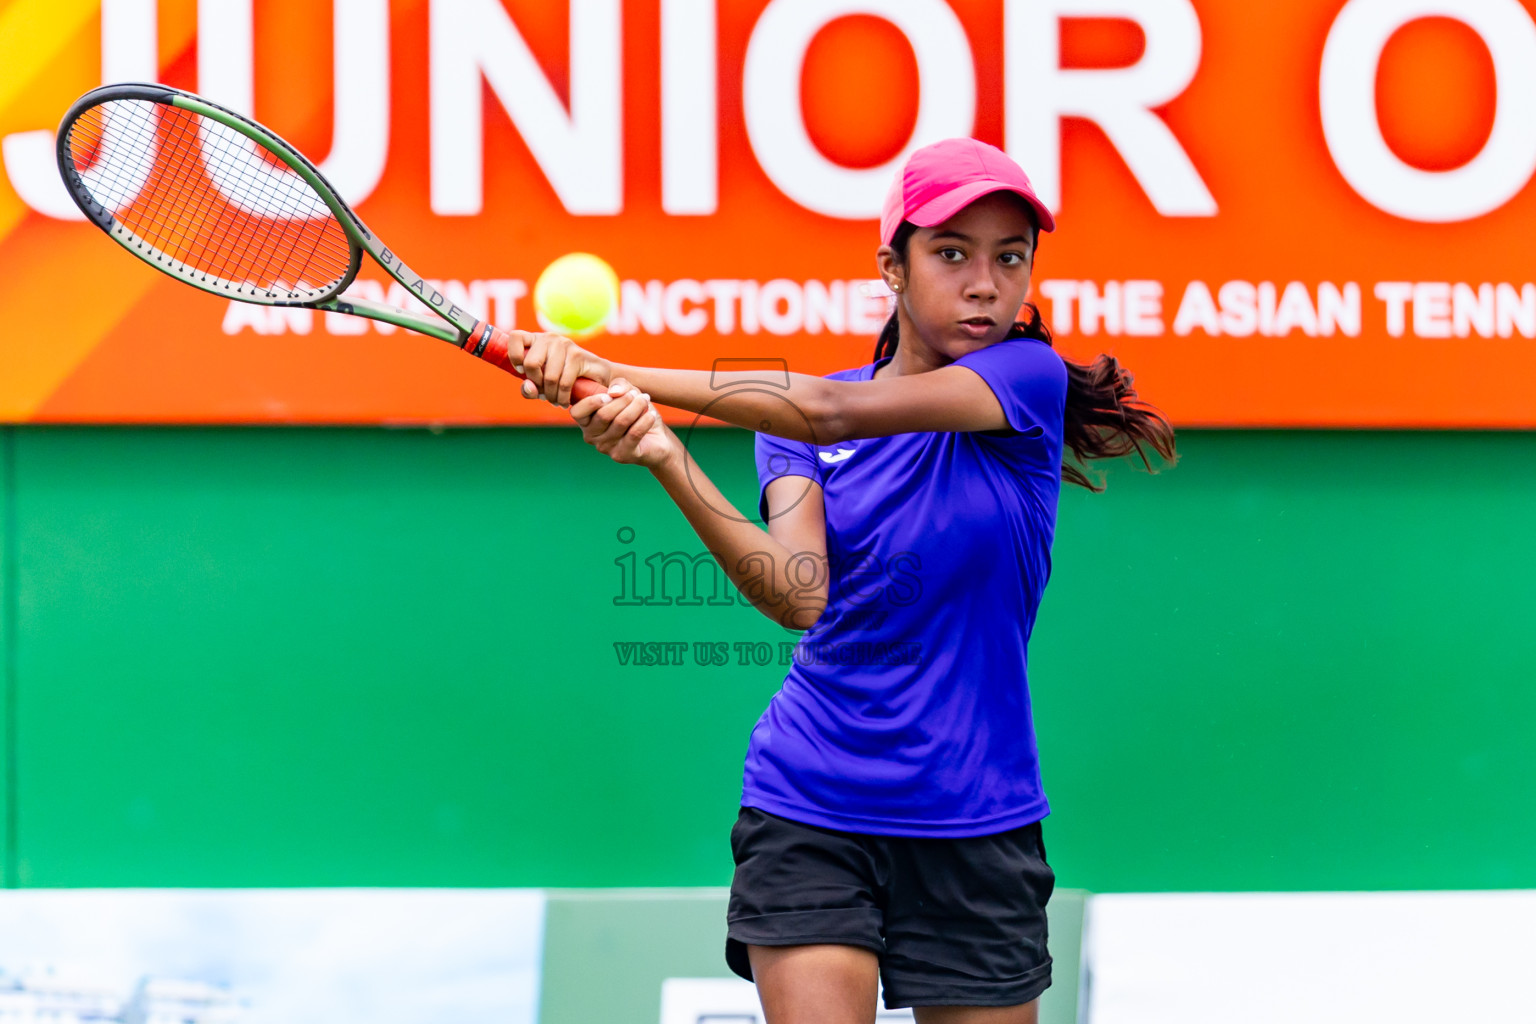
(1327,958)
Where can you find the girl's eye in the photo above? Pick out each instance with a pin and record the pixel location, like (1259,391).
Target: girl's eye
(1011,259)
(951,254)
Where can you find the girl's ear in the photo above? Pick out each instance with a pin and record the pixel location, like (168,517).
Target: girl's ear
(892,272)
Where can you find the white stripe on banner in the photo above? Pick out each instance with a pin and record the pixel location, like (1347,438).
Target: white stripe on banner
(1327,958)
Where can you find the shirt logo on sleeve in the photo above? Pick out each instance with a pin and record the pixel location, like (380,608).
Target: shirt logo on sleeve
(842,453)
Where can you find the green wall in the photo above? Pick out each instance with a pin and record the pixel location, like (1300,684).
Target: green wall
(271,657)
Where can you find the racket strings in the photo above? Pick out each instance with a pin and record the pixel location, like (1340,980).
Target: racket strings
(208,201)
(280,208)
(189,209)
(233,161)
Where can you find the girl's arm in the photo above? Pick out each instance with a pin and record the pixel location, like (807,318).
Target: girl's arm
(809,408)
(950,398)
(783,572)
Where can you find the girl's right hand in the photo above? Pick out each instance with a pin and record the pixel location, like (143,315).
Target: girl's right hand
(622,424)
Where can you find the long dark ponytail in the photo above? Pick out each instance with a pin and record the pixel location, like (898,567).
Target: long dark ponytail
(1105,418)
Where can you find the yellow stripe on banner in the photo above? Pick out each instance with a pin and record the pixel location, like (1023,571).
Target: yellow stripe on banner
(32,32)
(65,45)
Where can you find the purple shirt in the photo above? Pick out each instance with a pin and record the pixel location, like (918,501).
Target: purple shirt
(906,711)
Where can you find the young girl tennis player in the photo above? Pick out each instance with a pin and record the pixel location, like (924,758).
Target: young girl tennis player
(890,819)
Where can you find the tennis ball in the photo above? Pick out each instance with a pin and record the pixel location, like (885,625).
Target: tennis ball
(576,294)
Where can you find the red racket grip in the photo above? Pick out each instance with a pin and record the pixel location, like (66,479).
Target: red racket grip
(490,343)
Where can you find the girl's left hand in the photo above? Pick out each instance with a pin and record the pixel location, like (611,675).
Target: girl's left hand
(623,425)
(553,364)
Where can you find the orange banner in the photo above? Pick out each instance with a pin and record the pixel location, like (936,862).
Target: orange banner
(1312,213)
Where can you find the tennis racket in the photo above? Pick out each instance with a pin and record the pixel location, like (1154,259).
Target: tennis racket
(214,199)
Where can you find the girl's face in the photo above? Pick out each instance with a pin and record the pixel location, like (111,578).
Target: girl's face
(964,281)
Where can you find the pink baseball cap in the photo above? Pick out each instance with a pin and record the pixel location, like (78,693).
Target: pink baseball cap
(941,179)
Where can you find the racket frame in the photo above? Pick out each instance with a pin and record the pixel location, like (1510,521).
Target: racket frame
(452,324)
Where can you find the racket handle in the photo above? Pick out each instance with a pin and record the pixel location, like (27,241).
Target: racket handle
(490,343)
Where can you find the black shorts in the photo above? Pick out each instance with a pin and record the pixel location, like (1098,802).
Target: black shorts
(955,922)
